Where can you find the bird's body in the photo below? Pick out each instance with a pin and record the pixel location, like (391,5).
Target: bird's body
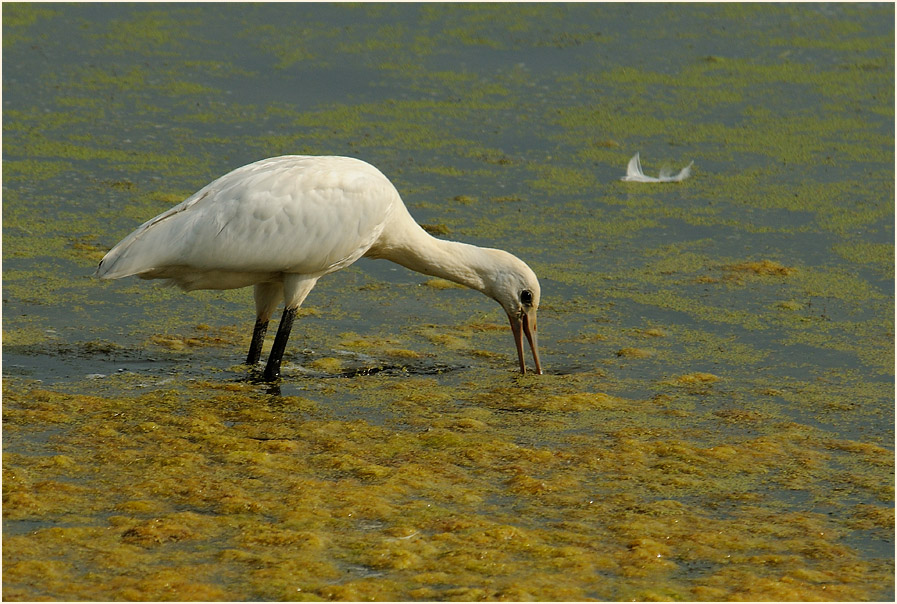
(282,223)
(272,217)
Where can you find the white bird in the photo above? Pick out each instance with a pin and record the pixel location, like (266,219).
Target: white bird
(280,224)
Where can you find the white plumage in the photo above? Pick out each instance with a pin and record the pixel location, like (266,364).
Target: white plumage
(634,172)
(280,224)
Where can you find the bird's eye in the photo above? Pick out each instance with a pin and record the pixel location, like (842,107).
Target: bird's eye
(526,297)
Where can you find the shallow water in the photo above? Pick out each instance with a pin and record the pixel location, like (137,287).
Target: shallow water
(717,418)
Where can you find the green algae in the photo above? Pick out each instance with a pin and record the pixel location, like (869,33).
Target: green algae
(18,18)
(270,479)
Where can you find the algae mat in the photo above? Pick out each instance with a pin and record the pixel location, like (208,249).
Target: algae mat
(717,418)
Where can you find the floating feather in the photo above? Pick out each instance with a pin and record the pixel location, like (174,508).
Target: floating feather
(634,173)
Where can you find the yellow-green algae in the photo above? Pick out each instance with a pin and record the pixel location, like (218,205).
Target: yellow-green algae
(223,492)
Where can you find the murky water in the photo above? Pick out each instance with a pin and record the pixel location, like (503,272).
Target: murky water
(717,417)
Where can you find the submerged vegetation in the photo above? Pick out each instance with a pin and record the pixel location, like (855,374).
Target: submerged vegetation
(457,494)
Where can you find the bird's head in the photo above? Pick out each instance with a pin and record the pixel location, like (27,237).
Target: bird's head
(515,286)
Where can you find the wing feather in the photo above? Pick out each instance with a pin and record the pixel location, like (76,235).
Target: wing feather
(287,214)
(634,172)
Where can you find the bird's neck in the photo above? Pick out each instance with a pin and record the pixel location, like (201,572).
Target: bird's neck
(414,248)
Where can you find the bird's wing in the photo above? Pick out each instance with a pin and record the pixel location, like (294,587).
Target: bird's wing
(287,214)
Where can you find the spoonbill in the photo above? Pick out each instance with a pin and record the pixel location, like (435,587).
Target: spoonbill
(282,223)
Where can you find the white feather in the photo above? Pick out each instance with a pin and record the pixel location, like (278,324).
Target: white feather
(634,173)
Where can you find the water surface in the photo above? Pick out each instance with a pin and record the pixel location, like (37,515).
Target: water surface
(717,417)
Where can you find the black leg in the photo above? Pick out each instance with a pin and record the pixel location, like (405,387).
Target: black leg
(272,369)
(258,339)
